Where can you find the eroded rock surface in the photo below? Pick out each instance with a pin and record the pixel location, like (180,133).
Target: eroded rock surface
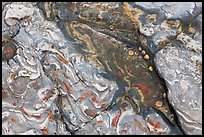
(182,72)
(91,68)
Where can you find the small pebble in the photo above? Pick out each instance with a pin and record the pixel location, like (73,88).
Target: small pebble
(146,57)
(143,52)
(158,104)
(150,68)
(131,52)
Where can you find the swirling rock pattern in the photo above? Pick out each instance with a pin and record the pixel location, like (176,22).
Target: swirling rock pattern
(88,68)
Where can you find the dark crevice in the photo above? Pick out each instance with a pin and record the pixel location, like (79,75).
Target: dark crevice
(169,104)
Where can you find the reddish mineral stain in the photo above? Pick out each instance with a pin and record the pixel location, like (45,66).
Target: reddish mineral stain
(61,59)
(143,73)
(12,75)
(67,88)
(139,125)
(9,53)
(103,105)
(158,104)
(119,74)
(23,111)
(37,116)
(14,103)
(35,85)
(155,125)
(50,115)
(116,119)
(99,122)
(14,119)
(94,99)
(143,87)
(86,95)
(5,95)
(90,112)
(82,98)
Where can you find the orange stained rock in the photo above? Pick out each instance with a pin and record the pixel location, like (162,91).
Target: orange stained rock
(74,3)
(50,115)
(163,42)
(45,131)
(158,104)
(103,105)
(128,12)
(9,53)
(12,75)
(191,29)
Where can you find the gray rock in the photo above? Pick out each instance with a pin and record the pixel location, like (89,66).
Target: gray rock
(184,81)
(174,10)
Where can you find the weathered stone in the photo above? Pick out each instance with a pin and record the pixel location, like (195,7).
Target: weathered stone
(87,68)
(184,79)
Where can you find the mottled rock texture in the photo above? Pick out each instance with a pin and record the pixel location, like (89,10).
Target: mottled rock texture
(91,68)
